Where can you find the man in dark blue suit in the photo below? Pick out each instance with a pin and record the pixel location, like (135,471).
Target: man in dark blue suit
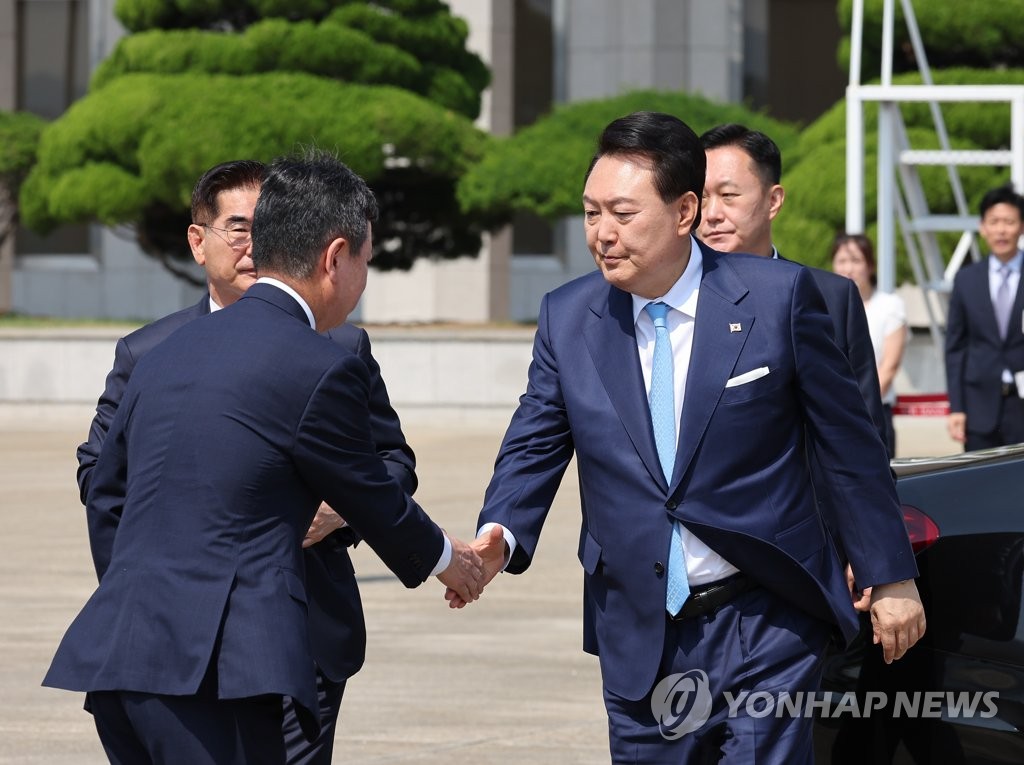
(685,382)
(225,196)
(984,334)
(742,196)
(228,437)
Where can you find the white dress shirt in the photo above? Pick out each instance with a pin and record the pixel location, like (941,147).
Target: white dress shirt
(703,565)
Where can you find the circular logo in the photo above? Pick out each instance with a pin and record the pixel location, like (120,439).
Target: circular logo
(681,703)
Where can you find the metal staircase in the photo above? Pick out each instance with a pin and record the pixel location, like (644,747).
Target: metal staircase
(902,205)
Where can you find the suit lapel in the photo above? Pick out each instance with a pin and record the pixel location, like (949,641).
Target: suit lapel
(1016,323)
(610,339)
(982,296)
(716,346)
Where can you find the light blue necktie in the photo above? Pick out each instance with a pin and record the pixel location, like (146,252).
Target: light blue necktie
(1004,301)
(663,418)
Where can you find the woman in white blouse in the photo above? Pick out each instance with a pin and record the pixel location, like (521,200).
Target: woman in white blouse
(853,256)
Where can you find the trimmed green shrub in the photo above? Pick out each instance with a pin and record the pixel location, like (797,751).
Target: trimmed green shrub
(387,84)
(131,151)
(19,136)
(541,168)
(357,43)
(979,34)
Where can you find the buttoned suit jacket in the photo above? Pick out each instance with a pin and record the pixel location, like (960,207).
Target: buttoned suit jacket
(234,428)
(740,481)
(975,354)
(337,628)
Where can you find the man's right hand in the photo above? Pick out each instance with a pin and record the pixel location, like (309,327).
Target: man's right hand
(465,573)
(956,424)
(492,550)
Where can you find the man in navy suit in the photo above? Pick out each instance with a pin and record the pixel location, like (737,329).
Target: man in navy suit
(229,435)
(226,196)
(742,196)
(984,334)
(723,507)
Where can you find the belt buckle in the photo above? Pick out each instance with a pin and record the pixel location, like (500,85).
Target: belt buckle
(695,605)
(698,600)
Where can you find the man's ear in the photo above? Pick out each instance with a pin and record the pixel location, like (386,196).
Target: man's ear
(196,236)
(689,206)
(776,196)
(332,255)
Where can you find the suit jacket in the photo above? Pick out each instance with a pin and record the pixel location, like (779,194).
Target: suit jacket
(846,309)
(975,354)
(850,323)
(337,629)
(740,481)
(235,428)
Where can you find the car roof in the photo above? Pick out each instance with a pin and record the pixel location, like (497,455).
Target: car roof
(907,466)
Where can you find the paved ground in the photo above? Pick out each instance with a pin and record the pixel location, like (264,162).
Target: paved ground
(502,681)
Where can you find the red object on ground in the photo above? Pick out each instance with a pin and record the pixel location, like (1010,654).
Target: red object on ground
(924,404)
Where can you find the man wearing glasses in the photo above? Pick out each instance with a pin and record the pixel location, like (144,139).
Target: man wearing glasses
(223,202)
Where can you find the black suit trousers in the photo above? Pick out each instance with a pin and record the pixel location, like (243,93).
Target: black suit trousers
(301,751)
(154,729)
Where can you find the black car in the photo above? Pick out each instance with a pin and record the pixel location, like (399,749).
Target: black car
(958,696)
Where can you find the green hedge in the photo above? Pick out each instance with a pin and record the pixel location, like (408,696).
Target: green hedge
(140,15)
(541,168)
(19,135)
(978,33)
(131,151)
(815,177)
(357,44)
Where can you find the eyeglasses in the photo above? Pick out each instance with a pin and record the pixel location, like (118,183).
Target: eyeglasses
(236,237)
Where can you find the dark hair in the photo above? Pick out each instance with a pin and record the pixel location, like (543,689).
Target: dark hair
(227,176)
(1003,195)
(862,243)
(759,147)
(671,146)
(306,202)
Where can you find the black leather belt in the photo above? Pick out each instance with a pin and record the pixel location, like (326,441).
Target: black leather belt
(708,598)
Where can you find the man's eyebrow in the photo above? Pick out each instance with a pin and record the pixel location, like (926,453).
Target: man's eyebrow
(238,219)
(613,201)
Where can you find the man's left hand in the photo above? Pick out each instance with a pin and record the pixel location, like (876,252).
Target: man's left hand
(324,522)
(897,618)
(861,599)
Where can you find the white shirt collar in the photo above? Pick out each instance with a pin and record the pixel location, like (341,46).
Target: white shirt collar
(683,294)
(995,264)
(214,305)
(282,286)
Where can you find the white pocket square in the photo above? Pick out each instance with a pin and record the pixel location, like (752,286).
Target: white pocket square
(753,374)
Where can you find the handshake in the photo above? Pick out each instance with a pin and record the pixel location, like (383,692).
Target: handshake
(472,567)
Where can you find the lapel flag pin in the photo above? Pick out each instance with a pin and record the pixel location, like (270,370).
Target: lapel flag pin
(735,328)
